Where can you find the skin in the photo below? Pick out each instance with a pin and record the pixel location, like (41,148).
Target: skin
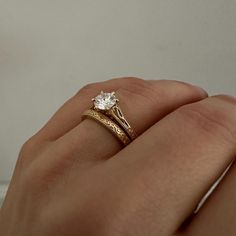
(74,178)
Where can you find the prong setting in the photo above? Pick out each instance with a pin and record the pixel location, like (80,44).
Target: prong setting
(105,101)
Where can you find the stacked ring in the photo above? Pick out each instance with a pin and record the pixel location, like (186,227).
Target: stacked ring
(107,112)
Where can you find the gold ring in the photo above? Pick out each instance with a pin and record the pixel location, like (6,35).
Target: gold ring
(108,123)
(107,103)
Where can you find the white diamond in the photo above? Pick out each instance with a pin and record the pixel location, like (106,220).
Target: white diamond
(105,101)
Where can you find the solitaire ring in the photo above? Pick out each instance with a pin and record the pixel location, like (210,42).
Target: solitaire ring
(107,103)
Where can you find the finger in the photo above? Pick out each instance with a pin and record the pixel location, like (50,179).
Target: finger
(143,103)
(179,158)
(218,215)
(69,115)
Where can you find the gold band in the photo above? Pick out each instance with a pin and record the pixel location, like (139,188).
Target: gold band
(108,123)
(116,114)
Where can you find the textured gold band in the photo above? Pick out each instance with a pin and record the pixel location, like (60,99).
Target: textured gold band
(108,123)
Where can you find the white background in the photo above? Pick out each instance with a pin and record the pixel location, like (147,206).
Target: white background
(50,48)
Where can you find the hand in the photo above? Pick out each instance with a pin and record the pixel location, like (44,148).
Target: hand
(74,178)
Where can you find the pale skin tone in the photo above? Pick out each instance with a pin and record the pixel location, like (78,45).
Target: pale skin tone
(74,178)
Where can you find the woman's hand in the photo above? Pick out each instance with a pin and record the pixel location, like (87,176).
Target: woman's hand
(74,178)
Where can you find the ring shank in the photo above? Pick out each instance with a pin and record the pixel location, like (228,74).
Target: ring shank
(116,114)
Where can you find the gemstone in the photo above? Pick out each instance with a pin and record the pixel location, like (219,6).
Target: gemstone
(105,101)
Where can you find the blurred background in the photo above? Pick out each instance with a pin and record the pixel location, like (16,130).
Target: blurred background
(51,48)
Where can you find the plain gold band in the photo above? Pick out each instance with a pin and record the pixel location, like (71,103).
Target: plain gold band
(108,123)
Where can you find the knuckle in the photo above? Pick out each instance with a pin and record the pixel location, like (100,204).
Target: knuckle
(185,89)
(30,150)
(139,88)
(27,147)
(130,79)
(88,89)
(132,85)
(215,122)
